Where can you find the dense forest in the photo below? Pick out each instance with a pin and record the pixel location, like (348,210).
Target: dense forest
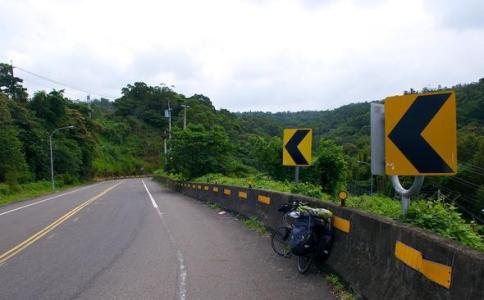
(126,136)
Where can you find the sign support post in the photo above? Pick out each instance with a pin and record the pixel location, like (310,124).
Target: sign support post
(405,194)
(296,174)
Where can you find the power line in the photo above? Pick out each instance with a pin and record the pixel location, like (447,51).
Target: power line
(469,165)
(62,84)
(472,171)
(42,84)
(465,182)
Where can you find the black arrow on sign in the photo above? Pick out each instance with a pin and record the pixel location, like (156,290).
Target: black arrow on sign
(407,134)
(292,146)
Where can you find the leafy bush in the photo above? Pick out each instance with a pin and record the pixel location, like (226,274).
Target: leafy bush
(308,189)
(4,189)
(444,220)
(377,204)
(438,217)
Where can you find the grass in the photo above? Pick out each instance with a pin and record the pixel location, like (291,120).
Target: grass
(251,223)
(213,205)
(339,288)
(254,224)
(13,194)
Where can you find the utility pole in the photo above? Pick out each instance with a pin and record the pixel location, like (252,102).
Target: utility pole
(169,121)
(185,116)
(164,147)
(89,105)
(12,84)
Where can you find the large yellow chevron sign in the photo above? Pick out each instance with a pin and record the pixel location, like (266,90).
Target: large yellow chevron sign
(421,134)
(297,148)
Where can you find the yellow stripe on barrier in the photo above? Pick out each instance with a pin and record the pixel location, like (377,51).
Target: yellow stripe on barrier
(243,195)
(411,257)
(227,192)
(205,188)
(199,187)
(264,199)
(436,272)
(215,189)
(342,224)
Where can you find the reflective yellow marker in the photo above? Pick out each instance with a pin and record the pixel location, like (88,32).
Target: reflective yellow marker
(436,272)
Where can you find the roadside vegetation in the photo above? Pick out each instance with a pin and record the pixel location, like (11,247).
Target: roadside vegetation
(339,288)
(254,224)
(16,193)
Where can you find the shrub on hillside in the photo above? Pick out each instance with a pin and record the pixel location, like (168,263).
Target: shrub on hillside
(444,220)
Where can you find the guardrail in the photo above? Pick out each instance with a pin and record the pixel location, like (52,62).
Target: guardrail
(379,257)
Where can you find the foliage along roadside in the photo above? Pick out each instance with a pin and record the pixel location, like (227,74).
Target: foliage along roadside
(438,217)
(21,192)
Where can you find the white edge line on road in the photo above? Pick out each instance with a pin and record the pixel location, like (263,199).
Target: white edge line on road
(151,197)
(182,270)
(47,199)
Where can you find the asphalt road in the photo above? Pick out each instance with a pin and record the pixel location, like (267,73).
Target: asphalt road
(133,239)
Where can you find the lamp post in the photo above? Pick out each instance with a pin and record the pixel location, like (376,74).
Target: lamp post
(371,175)
(51,154)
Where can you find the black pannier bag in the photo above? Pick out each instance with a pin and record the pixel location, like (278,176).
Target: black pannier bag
(300,241)
(325,233)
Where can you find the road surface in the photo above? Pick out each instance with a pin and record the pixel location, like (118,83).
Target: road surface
(133,239)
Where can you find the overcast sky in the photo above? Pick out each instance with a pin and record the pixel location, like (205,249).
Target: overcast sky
(248,54)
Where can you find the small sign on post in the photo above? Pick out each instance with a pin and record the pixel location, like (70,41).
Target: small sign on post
(297,149)
(343,195)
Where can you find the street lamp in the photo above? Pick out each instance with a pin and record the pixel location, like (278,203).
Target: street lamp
(51,155)
(371,175)
(185,115)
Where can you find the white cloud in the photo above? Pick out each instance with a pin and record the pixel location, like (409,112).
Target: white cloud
(247,55)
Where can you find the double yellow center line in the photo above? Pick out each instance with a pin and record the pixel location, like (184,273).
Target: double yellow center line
(23,245)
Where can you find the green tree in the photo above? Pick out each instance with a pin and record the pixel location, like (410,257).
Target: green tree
(13,167)
(330,165)
(268,157)
(197,151)
(11,85)
(50,107)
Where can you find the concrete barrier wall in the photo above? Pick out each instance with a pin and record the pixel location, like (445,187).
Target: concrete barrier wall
(379,257)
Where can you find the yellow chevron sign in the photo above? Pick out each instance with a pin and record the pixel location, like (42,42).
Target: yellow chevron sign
(421,134)
(297,148)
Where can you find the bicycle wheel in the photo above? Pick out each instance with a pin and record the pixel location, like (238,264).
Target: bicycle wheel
(279,241)
(304,263)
